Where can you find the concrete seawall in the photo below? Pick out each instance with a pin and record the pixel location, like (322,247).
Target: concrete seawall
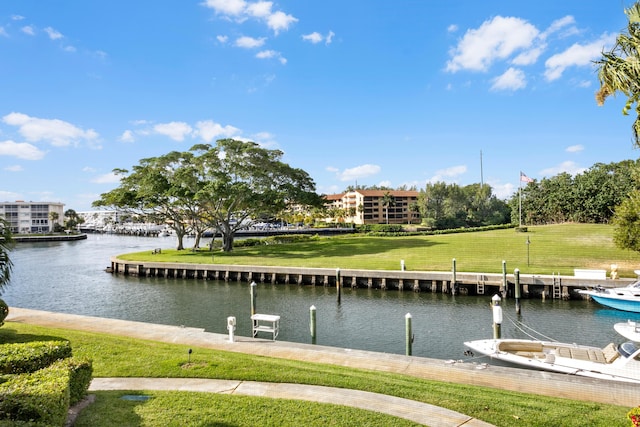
(461,283)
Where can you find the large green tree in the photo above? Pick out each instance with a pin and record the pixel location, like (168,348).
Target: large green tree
(619,69)
(222,187)
(243,182)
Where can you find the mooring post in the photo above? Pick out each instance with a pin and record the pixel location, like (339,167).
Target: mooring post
(253,288)
(312,323)
(453,277)
(516,274)
(338,287)
(402,266)
(497,316)
(505,285)
(408,335)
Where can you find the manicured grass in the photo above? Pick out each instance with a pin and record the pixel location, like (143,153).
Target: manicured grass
(552,249)
(124,357)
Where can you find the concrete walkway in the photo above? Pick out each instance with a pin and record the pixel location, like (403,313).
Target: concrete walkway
(403,408)
(521,380)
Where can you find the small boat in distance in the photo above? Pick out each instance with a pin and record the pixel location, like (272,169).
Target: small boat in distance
(630,330)
(617,363)
(625,299)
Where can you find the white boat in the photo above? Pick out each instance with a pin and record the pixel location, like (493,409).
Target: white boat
(626,298)
(618,363)
(630,330)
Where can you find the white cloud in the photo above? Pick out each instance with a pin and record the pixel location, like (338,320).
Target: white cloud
(270,54)
(502,191)
(249,42)
(578,55)
(452,28)
(28,29)
(260,9)
(240,10)
(14,168)
(222,39)
(358,172)
(280,21)
(53,34)
(559,24)
(17,17)
(316,37)
(21,150)
(127,136)
(208,130)
(448,174)
(59,133)
(109,178)
(575,148)
(227,7)
(174,130)
(512,79)
(568,167)
(3,32)
(496,39)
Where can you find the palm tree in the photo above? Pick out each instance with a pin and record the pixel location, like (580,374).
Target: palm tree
(6,244)
(619,69)
(388,200)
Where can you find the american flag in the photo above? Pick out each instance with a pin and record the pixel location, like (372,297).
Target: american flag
(525,178)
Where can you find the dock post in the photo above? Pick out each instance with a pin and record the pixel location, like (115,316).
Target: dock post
(312,323)
(516,274)
(338,287)
(253,297)
(505,285)
(497,316)
(408,334)
(453,273)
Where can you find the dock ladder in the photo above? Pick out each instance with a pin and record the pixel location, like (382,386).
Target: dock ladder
(557,286)
(480,284)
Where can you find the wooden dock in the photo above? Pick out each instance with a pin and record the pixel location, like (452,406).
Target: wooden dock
(457,283)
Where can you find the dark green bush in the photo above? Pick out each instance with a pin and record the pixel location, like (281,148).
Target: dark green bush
(38,398)
(80,374)
(29,357)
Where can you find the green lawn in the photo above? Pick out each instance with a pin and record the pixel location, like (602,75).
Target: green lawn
(552,249)
(124,357)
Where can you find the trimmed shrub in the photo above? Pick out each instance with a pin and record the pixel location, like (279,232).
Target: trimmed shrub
(80,374)
(29,357)
(39,398)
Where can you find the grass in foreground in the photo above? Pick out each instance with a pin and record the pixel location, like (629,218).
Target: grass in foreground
(552,249)
(115,356)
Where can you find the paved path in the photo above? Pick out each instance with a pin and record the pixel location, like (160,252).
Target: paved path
(521,380)
(404,408)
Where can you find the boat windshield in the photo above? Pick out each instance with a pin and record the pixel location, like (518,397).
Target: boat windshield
(627,349)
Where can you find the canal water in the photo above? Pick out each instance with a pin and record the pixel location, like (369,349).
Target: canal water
(70,277)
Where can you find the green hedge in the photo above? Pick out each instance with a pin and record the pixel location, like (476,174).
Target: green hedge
(41,380)
(40,398)
(29,357)
(81,372)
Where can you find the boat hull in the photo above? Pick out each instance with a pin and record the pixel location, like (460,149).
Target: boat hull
(630,330)
(561,358)
(628,303)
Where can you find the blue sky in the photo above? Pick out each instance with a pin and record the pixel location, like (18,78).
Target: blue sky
(389,93)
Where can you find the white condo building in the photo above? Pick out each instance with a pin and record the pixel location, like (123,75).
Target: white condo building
(32,217)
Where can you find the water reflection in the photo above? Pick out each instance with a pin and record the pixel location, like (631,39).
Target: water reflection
(69,277)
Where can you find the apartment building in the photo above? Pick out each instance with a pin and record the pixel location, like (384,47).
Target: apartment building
(368,207)
(31,217)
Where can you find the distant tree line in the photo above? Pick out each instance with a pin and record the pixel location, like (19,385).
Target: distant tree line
(588,197)
(445,206)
